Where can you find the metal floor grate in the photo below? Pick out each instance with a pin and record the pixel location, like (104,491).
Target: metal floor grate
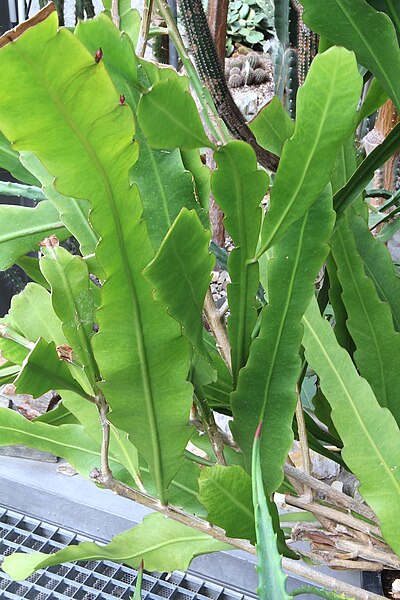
(92,580)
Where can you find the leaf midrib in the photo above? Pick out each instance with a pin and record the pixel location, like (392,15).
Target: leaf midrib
(350,270)
(283,321)
(87,147)
(381,459)
(30,231)
(305,174)
(364,40)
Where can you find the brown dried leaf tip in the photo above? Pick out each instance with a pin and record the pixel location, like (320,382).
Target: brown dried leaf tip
(98,55)
(49,242)
(65,352)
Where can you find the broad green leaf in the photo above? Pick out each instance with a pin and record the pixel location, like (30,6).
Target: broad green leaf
(90,152)
(238,187)
(169,118)
(180,274)
(369,432)
(271,578)
(272,126)
(326,113)
(10,161)
(67,441)
(365,172)
(375,97)
(391,8)
(32,314)
(21,190)
(74,212)
(163,544)
(164,185)
(226,494)
(369,322)
(42,371)
(378,266)
(129,18)
(266,386)
(72,301)
(353,24)
(22,229)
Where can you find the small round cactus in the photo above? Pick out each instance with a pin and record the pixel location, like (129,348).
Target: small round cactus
(253,59)
(227,72)
(249,76)
(235,80)
(235,71)
(259,76)
(236,62)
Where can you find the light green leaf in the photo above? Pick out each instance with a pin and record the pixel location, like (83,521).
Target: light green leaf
(74,212)
(129,18)
(32,314)
(369,432)
(181,273)
(169,119)
(378,266)
(226,494)
(272,580)
(22,229)
(238,187)
(138,583)
(163,544)
(326,113)
(272,126)
(369,322)
(10,161)
(72,301)
(90,152)
(310,589)
(43,371)
(353,24)
(266,386)
(67,441)
(8,372)
(164,185)
(58,416)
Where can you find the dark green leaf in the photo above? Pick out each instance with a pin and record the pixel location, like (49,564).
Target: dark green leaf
(354,24)
(226,494)
(266,386)
(369,432)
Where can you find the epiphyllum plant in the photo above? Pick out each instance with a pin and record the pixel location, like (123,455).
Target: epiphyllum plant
(111,145)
